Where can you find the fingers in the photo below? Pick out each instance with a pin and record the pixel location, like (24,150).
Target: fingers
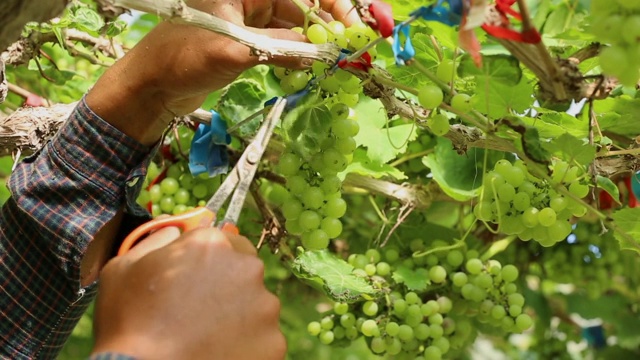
(341,10)
(157,240)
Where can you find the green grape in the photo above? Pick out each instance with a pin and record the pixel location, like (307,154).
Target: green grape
(436,319)
(437,274)
(331,226)
(399,307)
(483,281)
(309,220)
(515,310)
(344,128)
(391,255)
(281,73)
(187,181)
(446,70)
(289,164)
(293,227)
(509,273)
(327,323)
(559,203)
(143,198)
(347,320)
(392,328)
(523,322)
(358,40)
(294,82)
(292,209)
(340,308)
(455,258)
(405,333)
(370,308)
(313,198)
(297,184)
(421,332)
(459,279)
(378,345)
(529,217)
(515,299)
(483,211)
(411,298)
(334,160)
(348,99)
(631,33)
(330,85)
(432,353)
(394,347)
(346,146)
(155,193)
(315,240)
(182,196)
(370,269)
(547,217)
(430,96)
(370,328)
(439,124)
(314,328)
(335,208)
(461,102)
(521,201)
(169,186)
(317,34)
(167,204)
(506,192)
(175,170)
(200,191)
(326,337)
(474,266)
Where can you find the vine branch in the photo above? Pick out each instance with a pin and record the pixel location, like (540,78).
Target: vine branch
(264,47)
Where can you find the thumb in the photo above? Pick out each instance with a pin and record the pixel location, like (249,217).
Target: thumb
(289,62)
(155,241)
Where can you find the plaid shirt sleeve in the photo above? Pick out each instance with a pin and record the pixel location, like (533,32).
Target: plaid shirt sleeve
(111,356)
(61,197)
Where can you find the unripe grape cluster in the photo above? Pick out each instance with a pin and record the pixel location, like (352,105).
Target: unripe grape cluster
(313,204)
(342,86)
(588,258)
(432,321)
(174,190)
(617,22)
(528,207)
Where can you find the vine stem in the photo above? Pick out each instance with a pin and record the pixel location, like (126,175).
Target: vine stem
(264,47)
(620,152)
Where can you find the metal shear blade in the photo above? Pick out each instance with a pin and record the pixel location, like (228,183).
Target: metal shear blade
(241,176)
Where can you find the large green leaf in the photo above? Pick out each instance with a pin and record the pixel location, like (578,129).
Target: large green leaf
(88,20)
(553,124)
(504,69)
(240,100)
(413,280)
(572,149)
(459,176)
(497,99)
(383,144)
(627,228)
(334,275)
(618,115)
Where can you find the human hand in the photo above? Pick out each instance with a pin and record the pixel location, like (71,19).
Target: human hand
(199,295)
(172,70)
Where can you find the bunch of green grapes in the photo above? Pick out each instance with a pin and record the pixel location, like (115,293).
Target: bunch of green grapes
(528,207)
(461,292)
(618,24)
(314,203)
(588,258)
(174,190)
(340,85)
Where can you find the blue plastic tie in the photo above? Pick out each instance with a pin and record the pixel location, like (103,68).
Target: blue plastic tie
(595,336)
(402,52)
(208,152)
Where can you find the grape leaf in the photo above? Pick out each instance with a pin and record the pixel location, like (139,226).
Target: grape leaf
(239,100)
(504,69)
(618,115)
(426,55)
(628,228)
(571,149)
(553,124)
(498,99)
(334,275)
(87,20)
(402,8)
(383,144)
(607,185)
(362,165)
(413,280)
(459,176)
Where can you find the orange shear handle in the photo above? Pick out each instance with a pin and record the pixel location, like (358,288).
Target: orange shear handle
(199,217)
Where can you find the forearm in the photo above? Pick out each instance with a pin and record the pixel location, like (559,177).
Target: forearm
(61,199)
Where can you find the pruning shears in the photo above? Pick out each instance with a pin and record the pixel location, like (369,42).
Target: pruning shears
(236,186)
